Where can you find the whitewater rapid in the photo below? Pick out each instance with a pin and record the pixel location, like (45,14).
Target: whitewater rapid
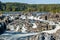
(25,34)
(35,26)
(50,23)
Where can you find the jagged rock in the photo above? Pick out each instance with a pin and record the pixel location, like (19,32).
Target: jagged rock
(2,27)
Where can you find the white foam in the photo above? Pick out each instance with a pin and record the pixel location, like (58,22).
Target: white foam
(53,30)
(34,25)
(23,29)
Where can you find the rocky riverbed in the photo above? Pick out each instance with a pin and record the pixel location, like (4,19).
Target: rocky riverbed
(30,27)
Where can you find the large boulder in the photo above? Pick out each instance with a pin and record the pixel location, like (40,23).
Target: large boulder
(2,27)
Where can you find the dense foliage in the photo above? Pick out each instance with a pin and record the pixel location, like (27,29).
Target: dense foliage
(29,7)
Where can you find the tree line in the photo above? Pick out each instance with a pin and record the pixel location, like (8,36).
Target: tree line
(23,7)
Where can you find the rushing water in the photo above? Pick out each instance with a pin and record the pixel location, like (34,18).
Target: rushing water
(11,35)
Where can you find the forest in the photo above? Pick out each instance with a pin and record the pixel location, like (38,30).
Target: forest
(24,7)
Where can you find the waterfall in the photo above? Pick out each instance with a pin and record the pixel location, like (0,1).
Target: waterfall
(53,30)
(42,37)
(11,18)
(23,29)
(12,27)
(17,28)
(23,17)
(30,17)
(47,36)
(34,25)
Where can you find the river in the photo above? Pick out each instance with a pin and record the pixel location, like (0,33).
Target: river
(11,35)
